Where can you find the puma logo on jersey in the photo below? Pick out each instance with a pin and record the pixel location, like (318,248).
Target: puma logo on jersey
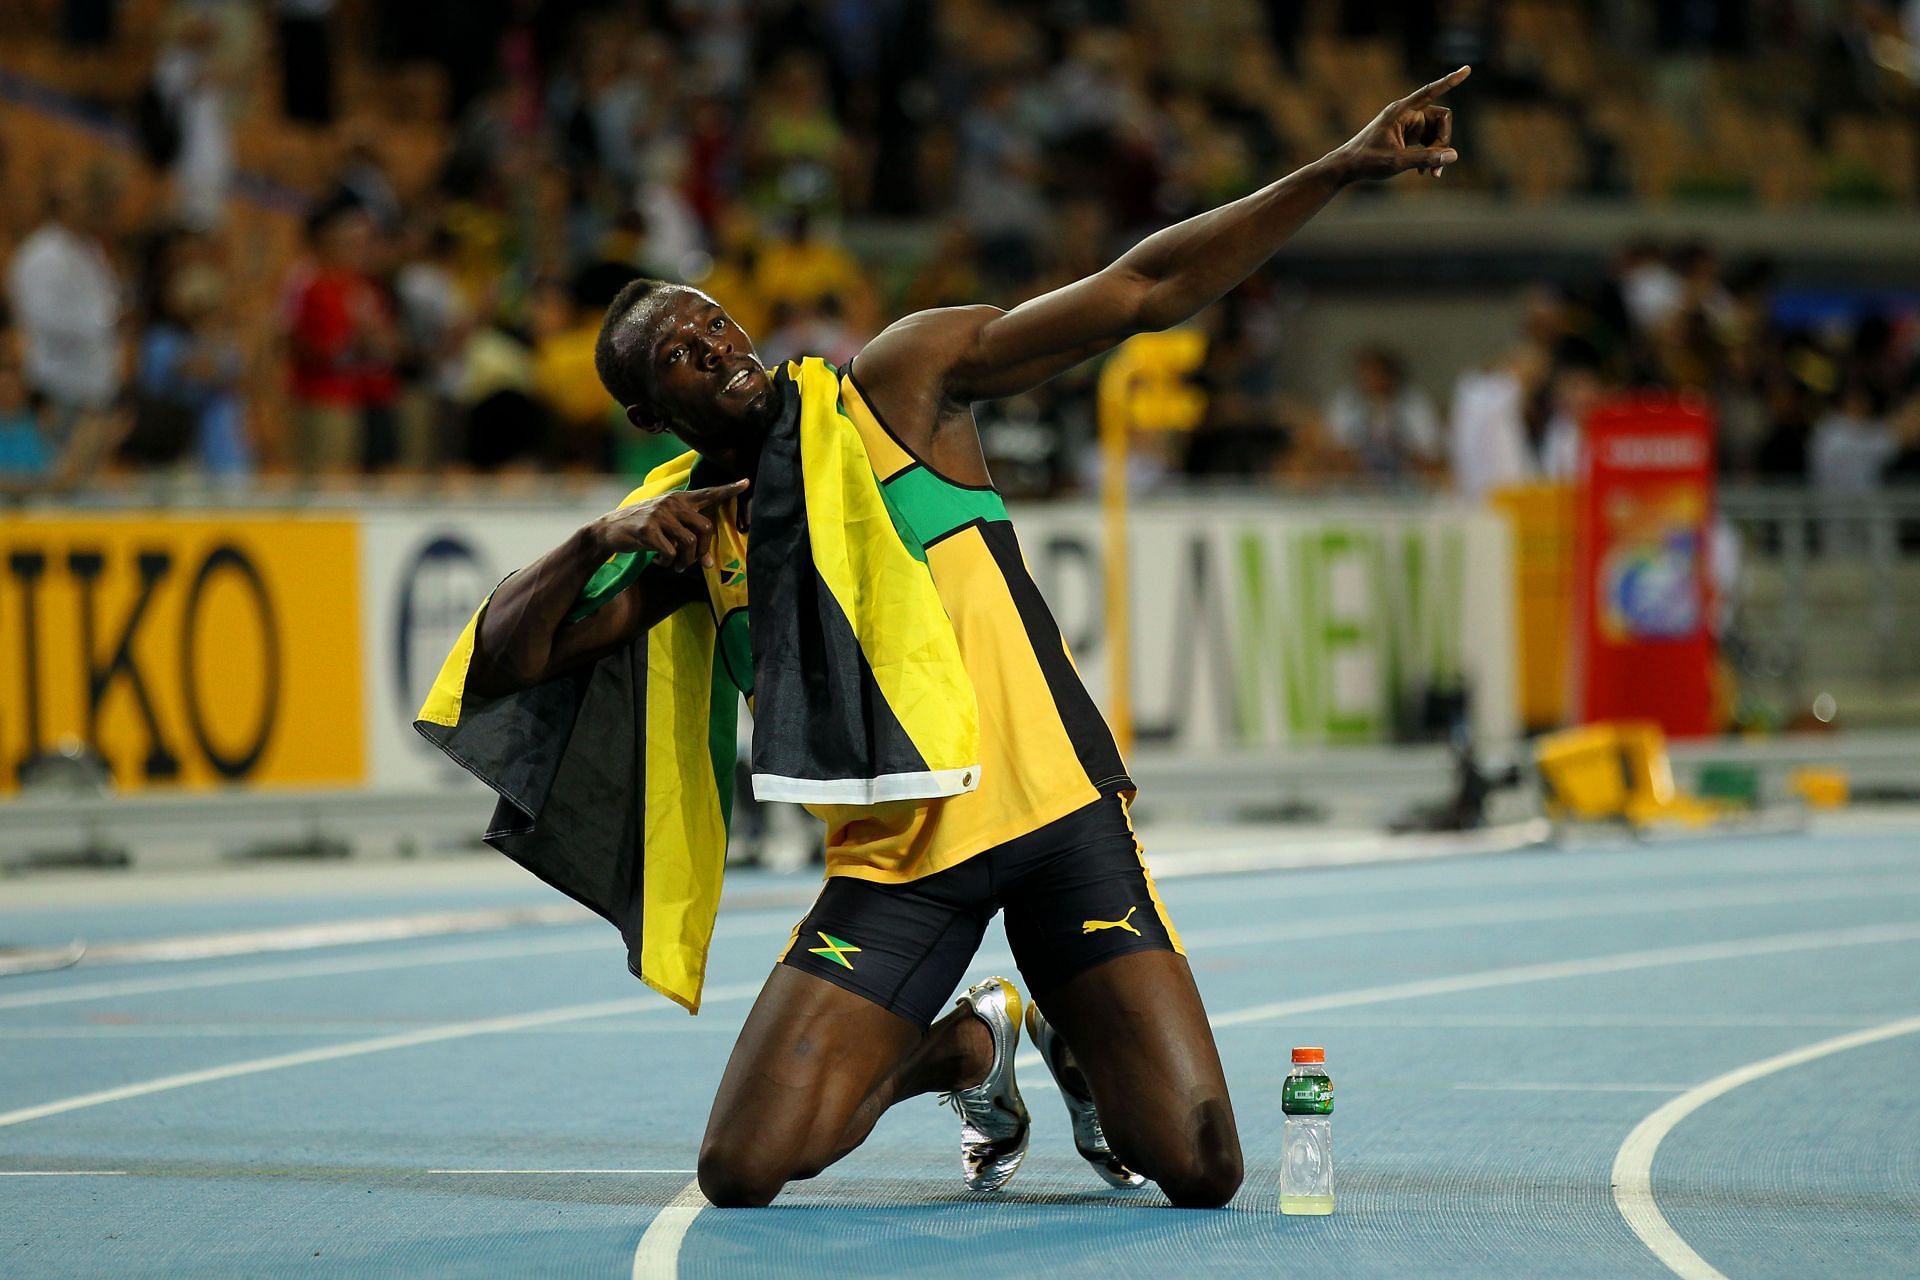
(1124,922)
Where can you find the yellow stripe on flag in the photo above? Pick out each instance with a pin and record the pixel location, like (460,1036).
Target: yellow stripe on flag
(888,597)
(685,835)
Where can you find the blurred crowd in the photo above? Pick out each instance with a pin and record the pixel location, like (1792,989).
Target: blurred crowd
(329,239)
(1804,389)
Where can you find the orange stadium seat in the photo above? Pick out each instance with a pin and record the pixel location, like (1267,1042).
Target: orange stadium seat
(1878,145)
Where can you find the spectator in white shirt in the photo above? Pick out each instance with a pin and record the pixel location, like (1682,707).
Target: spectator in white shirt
(1577,390)
(1389,428)
(1490,427)
(1852,445)
(68,302)
(193,84)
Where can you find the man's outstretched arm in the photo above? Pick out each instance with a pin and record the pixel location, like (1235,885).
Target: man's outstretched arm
(1168,277)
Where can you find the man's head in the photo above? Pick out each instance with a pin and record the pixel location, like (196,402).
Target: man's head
(342,236)
(89,205)
(1377,371)
(675,360)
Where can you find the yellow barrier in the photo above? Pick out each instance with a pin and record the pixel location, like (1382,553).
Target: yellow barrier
(1820,788)
(1144,386)
(1616,772)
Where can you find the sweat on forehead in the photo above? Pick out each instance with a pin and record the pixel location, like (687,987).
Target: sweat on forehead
(642,322)
(621,345)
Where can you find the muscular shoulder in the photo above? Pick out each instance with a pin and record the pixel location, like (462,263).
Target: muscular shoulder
(923,350)
(909,374)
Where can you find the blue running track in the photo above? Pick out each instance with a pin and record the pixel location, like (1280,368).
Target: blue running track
(1501,1030)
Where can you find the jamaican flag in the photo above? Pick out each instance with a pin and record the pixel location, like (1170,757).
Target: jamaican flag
(615,781)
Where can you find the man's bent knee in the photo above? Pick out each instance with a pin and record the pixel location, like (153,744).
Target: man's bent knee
(735,1181)
(1207,1181)
(1210,1170)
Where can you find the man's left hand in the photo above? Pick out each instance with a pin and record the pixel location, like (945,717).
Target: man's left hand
(1413,133)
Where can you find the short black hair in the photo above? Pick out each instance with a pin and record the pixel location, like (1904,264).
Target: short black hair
(623,381)
(326,212)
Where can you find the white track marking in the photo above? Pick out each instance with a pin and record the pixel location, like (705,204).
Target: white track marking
(1633,1165)
(657,1256)
(303,1031)
(1376,922)
(1543,910)
(352,932)
(1573,908)
(551,1171)
(450,954)
(332,933)
(1321,850)
(1619,962)
(356,1048)
(1511,874)
(600,939)
(63,1173)
(189,1031)
(1598,1021)
(1548,1086)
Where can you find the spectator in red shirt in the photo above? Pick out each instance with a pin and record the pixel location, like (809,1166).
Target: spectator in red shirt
(342,339)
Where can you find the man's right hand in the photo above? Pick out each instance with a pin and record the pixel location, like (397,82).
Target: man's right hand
(676,525)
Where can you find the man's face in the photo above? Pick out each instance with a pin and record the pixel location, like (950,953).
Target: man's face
(1374,376)
(348,241)
(708,385)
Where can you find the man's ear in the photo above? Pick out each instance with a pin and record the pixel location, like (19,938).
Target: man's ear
(641,417)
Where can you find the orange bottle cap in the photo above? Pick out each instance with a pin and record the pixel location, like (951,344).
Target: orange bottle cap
(1310,1055)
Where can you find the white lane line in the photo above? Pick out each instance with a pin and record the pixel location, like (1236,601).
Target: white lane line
(1546,871)
(302,1031)
(355,931)
(450,954)
(188,1031)
(331,933)
(1619,962)
(1543,910)
(657,1256)
(1575,908)
(1339,926)
(356,1048)
(1549,1086)
(552,1171)
(1633,1165)
(1313,851)
(600,939)
(1598,1021)
(63,1173)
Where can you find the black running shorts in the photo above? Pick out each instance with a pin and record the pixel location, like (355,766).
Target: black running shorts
(1076,893)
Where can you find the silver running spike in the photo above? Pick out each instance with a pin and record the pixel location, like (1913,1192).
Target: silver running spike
(994,1123)
(1089,1139)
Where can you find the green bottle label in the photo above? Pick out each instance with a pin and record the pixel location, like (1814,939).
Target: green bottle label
(1307,1096)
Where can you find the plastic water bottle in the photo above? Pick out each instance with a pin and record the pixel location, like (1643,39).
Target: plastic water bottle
(1306,1144)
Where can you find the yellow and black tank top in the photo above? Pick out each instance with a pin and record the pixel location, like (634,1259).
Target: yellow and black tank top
(1045,749)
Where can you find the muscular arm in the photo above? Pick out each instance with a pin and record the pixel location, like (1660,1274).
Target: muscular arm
(930,364)
(524,637)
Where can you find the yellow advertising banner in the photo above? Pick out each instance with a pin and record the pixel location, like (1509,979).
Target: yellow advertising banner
(189,652)
(1542,519)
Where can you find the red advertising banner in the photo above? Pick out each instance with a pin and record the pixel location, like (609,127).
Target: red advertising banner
(1642,591)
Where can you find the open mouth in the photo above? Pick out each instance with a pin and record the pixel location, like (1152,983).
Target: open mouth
(739,380)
